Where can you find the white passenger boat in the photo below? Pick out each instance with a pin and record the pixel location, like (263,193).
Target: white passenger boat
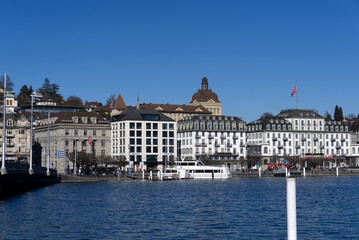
(197,170)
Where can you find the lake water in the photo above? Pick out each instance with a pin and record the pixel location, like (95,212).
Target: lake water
(327,208)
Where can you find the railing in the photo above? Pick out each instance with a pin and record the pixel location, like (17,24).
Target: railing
(197,136)
(332,139)
(285,139)
(274,139)
(222,136)
(315,139)
(210,136)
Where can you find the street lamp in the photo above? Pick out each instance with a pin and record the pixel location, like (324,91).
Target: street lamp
(3,169)
(34,96)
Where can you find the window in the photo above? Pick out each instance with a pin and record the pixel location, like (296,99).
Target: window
(132,133)
(76,132)
(103,143)
(94,133)
(139,141)
(138,149)
(148,133)
(103,152)
(83,143)
(171,134)
(148,149)
(148,141)
(138,125)
(171,126)
(85,132)
(132,141)
(155,134)
(148,125)
(164,126)
(155,126)
(138,133)
(103,133)
(164,134)
(84,119)
(132,125)
(155,149)
(93,120)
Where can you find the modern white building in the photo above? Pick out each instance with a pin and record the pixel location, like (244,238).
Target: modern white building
(146,138)
(212,137)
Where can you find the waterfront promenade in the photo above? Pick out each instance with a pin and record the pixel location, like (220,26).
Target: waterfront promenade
(252,174)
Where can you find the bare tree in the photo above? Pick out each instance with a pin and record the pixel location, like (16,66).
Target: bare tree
(266,114)
(74,101)
(111,99)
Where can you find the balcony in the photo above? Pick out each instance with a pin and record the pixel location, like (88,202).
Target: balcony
(315,139)
(321,146)
(210,136)
(343,139)
(332,139)
(280,147)
(235,137)
(274,139)
(297,147)
(10,144)
(197,136)
(241,144)
(304,139)
(10,135)
(223,136)
(229,145)
(216,145)
(338,147)
(285,139)
(204,144)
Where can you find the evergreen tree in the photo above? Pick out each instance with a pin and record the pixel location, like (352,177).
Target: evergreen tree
(341,116)
(355,126)
(336,113)
(51,91)
(24,96)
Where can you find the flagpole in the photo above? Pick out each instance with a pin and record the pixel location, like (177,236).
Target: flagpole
(296,97)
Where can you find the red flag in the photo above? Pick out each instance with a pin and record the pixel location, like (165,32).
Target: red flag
(294,90)
(111,106)
(89,140)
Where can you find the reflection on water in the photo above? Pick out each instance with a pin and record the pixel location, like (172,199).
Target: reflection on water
(327,208)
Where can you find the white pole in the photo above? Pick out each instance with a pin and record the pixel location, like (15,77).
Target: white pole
(337,171)
(31,171)
(48,146)
(143,174)
(291,210)
(259,172)
(151,175)
(3,169)
(286,172)
(161,175)
(118,175)
(304,171)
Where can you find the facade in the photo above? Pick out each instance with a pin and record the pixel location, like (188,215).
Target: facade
(206,98)
(145,138)
(11,102)
(71,132)
(300,133)
(177,112)
(212,137)
(17,138)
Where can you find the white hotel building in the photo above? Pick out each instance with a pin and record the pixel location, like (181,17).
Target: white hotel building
(212,137)
(299,133)
(146,138)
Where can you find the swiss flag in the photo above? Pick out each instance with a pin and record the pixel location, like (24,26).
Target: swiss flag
(111,106)
(89,140)
(294,90)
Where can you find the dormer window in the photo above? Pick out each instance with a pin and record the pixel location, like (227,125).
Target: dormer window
(93,120)
(84,120)
(75,119)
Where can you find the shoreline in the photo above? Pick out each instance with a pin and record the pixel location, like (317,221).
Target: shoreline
(138,177)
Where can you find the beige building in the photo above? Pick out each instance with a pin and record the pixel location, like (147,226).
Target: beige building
(207,98)
(70,131)
(17,138)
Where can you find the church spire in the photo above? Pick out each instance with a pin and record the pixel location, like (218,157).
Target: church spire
(204,83)
(138,103)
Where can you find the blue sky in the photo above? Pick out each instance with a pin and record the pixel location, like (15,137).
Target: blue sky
(252,52)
